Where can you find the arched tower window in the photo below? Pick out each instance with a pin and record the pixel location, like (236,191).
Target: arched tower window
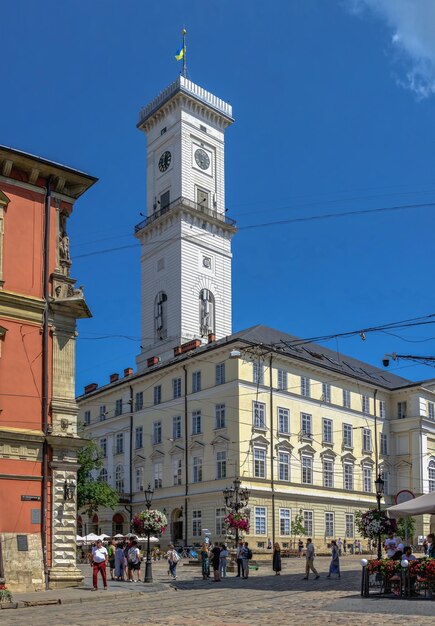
(117,524)
(431,475)
(102,478)
(160,315)
(206,312)
(119,479)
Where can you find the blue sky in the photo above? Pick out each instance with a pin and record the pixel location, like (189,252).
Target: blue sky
(334,106)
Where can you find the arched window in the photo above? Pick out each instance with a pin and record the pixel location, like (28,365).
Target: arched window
(206,312)
(119,479)
(102,478)
(117,524)
(431,475)
(94,525)
(161,315)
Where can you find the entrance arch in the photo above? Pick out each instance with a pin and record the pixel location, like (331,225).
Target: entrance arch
(177,526)
(118,522)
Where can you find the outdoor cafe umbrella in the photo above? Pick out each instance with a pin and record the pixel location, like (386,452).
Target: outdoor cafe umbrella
(416,506)
(118,536)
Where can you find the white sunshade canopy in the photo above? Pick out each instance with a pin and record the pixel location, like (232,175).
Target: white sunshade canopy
(416,506)
(103,536)
(91,537)
(118,536)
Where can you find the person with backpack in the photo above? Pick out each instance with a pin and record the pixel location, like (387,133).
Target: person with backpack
(246,557)
(133,562)
(173,557)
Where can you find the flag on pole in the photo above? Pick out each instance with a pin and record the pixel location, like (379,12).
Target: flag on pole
(180,52)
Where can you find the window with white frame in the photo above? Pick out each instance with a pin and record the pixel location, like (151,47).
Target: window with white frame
(308,523)
(119,443)
(197,469)
(283,466)
(326,392)
(102,477)
(401,410)
(139,437)
(138,403)
(176,471)
(365,404)
(367,440)
(221,464)
(102,412)
(260,513)
(259,463)
(119,479)
(307,469)
(220,520)
(87,418)
(139,478)
(346,398)
(220,374)
(258,372)
(196,422)
(158,474)
(349,527)
(176,427)
(259,414)
(220,416)
(347,436)
(157,432)
(197,523)
(431,475)
(157,394)
(176,388)
(385,478)
(348,476)
(382,408)
(306,425)
(196,382)
(118,407)
(327,430)
(431,411)
(384,443)
(367,479)
(283,421)
(328,473)
(305,387)
(285,522)
(103,446)
(282,380)
(329,524)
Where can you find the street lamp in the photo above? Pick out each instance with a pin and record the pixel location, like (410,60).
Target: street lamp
(148,566)
(379,485)
(236,498)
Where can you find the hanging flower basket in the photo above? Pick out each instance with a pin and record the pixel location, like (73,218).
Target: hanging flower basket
(238,520)
(152,522)
(373,522)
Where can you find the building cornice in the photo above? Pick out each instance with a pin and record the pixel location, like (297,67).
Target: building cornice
(23,308)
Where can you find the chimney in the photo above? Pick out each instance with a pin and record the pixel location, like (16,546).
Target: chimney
(153,361)
(114,378)
(91,387)
(128,371)
(211,337)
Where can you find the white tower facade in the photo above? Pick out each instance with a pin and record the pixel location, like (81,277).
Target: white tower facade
(186,236)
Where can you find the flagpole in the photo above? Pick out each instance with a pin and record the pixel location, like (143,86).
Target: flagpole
(183,32)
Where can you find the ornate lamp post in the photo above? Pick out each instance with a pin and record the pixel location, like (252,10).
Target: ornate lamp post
(379,485)
(148,566)
(236,498)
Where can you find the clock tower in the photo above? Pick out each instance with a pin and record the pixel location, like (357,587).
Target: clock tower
(186,236)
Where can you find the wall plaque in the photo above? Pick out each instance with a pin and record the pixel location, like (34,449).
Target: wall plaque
(22,543)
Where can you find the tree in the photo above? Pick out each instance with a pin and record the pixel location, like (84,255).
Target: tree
(406,528)
(91,493)
(298,527)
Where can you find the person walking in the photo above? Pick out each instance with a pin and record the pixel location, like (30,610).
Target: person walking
(334,567)
(173,558)
(99,563)
(215,560)
(309,565)
(223,561)
(239,560)
(111,555)
(276,560)
(205,562)
(119,562)
(133,563)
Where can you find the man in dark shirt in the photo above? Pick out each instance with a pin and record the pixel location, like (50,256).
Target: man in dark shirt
(216,553)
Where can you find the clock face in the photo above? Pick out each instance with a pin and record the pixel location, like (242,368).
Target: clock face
(165,161)
(202,159)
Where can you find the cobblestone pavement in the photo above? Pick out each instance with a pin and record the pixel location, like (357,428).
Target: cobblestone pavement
(262,600)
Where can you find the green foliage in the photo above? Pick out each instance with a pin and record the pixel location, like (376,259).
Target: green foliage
(91,493)
(402,525)
(298,527)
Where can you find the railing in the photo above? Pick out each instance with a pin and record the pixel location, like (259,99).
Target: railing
(189,204)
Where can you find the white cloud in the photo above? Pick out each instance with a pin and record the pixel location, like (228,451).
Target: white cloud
(412,23)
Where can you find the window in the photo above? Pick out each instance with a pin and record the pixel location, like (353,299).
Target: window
(164,200)
(103,447)
(119,443)
(306,430)
(176,427)
(160,315)
(259,414)
(282,380)
(139,437)
(197,523)
(307,470)
(259,463)
(138,403)
(329,524)
(258,372)
(431,475)
(305,386)
(118,407)
(308,523)
(206,311)
(384,443)
(119,479)
(202,198)
(220,521)
(102,477)
(285,522)
(327,430)
(401,410)
(384,476)
(157,433)
(346,398)
(367,478)
(196,422)
(87,418)
(221,464)
(348,476)
(347,436)
(157,394)
(283,466)
(139,478)
(367,440)
(328,473)
(102,413)
(196,382)
(365,404)
(220,374)
(176,471)
(431,411)
(197,469)
(260,520)
(283,420)
(382,408)
(326,392)
(220,416)
(158,475)
(176,388)
(349,531)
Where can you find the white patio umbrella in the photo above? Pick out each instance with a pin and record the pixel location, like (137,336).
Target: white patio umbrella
(416,506)
(103,537)
(118,536)
(79,539)
(152,539)
(91,537)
